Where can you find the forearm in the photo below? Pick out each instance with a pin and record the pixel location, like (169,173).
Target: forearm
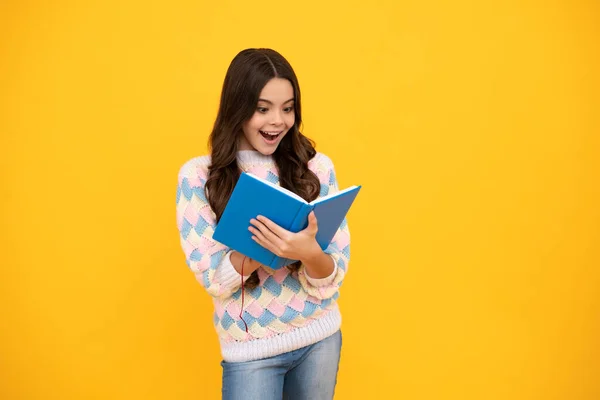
(249,264)
(318,264)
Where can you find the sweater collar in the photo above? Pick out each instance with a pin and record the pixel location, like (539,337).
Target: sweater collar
(253,157)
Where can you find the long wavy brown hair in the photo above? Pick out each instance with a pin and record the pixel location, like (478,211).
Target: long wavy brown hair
(246,76)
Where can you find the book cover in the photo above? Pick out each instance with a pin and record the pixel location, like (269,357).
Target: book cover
(253,196)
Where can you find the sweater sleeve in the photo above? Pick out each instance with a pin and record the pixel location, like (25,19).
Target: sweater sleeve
(338,249)
(208,259)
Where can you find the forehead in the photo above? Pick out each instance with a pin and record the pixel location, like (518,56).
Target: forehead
(277,90)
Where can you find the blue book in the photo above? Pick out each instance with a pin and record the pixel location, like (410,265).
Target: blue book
(253,196)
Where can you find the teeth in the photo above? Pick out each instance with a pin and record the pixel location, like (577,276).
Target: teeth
(271,133)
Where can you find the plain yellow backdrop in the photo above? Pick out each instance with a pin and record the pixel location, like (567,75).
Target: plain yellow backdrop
(473,127)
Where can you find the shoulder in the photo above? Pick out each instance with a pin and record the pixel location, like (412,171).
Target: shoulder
(195,170)
(320,162)
(322,166)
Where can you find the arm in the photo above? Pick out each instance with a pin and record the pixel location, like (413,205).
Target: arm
(313,275)
(321,272)
(338,251)
(319,265)
(216,267)
(249,264)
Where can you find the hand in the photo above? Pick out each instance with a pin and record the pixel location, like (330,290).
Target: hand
(296,246)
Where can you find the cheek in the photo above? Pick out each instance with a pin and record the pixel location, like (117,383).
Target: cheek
(246,128)
(290,119)
(253,123)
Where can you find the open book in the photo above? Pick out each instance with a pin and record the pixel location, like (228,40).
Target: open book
(253,196)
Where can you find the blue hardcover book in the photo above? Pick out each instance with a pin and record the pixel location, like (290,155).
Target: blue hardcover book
(253,196)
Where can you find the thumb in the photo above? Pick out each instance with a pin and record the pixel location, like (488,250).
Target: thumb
(313,226)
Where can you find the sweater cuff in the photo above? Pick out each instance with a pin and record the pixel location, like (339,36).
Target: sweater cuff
(226,273)
(323,281)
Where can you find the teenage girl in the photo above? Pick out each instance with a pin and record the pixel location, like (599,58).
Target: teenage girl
(279,330)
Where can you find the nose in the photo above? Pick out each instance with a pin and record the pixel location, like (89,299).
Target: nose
(277,118)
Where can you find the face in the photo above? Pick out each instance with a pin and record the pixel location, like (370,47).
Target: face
(272,119)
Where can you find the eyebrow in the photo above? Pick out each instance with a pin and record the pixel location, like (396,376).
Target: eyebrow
(270,102)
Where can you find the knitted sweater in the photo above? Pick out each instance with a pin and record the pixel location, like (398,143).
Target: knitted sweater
(286,311)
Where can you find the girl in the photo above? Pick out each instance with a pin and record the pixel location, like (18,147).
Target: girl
(279,330)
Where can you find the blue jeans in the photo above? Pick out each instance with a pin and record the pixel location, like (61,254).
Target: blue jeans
(309,373)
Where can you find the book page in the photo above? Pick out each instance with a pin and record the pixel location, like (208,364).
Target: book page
(281,189)
(329,196)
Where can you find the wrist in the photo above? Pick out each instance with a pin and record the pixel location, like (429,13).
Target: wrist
(239,260)
(252,264)
(313,256)
(319,266)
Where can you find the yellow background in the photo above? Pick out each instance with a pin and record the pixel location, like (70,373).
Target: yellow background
(473,127)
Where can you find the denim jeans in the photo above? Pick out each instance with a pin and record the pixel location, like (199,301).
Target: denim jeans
(309,373)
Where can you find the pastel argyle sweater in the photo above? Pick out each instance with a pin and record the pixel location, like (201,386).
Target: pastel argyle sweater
(287,310)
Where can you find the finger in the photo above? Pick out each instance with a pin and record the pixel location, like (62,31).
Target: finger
(312,218)
(273,227)
(271,235)
(261,240)
(263,233)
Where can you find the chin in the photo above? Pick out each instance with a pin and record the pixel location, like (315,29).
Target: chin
(267,152)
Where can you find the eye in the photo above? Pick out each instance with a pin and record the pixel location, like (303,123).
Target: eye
(288,109)
(262,110)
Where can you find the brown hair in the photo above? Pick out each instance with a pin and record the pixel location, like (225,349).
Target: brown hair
(246,76)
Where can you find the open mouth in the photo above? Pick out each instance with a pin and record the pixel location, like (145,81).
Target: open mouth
(270,136)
